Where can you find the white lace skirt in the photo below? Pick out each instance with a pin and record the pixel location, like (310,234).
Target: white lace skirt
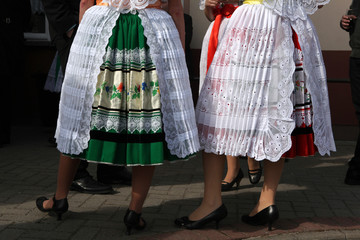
(244,107)
(85,59)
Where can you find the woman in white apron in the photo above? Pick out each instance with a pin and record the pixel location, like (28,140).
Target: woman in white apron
(246,105)
(126,98)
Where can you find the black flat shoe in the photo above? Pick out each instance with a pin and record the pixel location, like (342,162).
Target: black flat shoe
(255,175)
(227,186)
(217,215)
(266,216)
(59,207)
(132,220)
(89,185)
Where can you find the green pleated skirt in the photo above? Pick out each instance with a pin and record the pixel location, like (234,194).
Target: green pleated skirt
(126,121)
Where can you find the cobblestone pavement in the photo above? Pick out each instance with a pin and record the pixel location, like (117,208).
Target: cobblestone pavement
(314,202)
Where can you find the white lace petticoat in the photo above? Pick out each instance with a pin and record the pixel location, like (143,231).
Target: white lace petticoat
(244,107)
(86,56)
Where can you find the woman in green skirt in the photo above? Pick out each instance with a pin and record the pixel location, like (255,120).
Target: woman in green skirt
(126,98)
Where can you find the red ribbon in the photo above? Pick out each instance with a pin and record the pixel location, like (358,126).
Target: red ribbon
(219,12)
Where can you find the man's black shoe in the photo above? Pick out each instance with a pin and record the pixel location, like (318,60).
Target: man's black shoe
(353,175)
(110,174)
(89,185)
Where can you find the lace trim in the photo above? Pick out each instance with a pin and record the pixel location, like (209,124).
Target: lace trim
(72,133)
(316,81)
(129,124)
(114,56)
(126,6)
(177,106)
(294,9)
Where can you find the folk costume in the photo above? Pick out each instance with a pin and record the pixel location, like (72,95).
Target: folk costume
(126,97)
(258,86)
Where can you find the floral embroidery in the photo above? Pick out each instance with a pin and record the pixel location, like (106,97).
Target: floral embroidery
(121,87)
(155,86)
(134,92)
(102,87)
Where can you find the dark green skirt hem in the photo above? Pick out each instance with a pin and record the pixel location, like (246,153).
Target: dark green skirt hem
(127,154)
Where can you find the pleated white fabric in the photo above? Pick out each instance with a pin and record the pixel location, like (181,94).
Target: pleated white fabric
(244,107)
(316,80)
(205,46)
(86,56)
(177,106)
(294,9)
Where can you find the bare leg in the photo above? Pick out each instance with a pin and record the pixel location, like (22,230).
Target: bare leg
(213,166)
(233,167)
(66,173)
(272,175)
(141,181)
(253,165)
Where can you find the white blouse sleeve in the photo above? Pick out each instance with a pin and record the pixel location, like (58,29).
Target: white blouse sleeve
(294,9)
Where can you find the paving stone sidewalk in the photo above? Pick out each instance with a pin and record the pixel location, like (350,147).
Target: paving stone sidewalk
(314,202)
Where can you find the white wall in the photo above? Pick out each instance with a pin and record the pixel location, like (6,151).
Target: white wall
(200,24)
(326,21)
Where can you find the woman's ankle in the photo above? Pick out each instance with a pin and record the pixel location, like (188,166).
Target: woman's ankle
(253,165)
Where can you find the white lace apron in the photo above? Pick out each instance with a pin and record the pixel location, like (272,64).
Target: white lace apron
(86,56)
(244,107)
(314,68)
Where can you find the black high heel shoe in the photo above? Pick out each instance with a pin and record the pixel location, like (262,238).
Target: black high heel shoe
(132,220)
(59,207)
(217,215)
(227,186)
(266,216)
(255,175)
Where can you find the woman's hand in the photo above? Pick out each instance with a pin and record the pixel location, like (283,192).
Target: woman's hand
(211,3)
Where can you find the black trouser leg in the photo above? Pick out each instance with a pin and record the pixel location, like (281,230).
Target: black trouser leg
(355,93)
(82,170)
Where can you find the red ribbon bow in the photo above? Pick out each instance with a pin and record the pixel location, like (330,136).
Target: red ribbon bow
(219,12)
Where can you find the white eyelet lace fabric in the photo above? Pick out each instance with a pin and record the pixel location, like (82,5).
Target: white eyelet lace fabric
(316,81)
(294,9)
(126,6)
(86,56)
(180,129)
(244,107)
